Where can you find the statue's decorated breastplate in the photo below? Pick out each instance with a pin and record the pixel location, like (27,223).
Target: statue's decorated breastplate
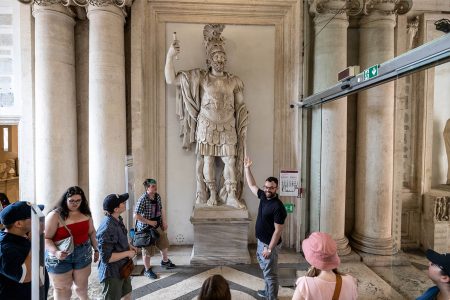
(217,102)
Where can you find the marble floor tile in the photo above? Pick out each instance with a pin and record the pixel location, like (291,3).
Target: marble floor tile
(405,279)
(184,282)
(370,285)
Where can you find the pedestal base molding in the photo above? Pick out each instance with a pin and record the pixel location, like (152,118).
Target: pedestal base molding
(220,236)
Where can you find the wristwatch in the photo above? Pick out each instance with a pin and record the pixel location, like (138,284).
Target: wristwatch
(268,250)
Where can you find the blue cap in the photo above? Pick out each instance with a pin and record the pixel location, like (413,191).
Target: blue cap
(20,210)
(442,260)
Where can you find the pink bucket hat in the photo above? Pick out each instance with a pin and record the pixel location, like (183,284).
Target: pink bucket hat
(321,251)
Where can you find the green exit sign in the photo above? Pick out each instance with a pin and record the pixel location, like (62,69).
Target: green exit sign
(289,207)
(371,72)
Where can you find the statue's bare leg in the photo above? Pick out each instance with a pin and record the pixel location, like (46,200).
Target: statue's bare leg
(229,174)
(202,193)
(210,179)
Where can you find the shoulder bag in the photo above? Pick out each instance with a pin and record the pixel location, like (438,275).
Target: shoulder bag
(127,269)
(145,238)
(337,289)
(67,244)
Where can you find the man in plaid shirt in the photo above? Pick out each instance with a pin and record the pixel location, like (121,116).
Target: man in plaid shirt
(149,212)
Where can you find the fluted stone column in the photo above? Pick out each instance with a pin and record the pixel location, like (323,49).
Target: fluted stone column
(82,75)
(330,120)
(107,125)
(55,113)
(375,134)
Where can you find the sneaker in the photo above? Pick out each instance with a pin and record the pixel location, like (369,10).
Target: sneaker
(262,293)
(168,264)
(150,274)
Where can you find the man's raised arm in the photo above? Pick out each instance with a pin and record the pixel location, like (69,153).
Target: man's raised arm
(249,176)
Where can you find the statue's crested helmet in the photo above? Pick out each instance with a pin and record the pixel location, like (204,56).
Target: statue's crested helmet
(213,40)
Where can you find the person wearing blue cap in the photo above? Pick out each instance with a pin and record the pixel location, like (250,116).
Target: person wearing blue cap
(114,248)
(15,252)
(439,273)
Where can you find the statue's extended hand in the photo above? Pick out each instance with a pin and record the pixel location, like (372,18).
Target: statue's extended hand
(174,49)
(247,162)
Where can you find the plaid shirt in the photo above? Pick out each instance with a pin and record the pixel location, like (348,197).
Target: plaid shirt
(149,209)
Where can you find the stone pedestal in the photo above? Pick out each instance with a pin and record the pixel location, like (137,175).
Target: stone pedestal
(435,224)
(220,236)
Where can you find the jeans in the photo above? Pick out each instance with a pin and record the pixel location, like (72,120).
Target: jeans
(269,267)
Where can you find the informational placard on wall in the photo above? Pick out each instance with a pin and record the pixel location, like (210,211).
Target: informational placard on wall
(289,182)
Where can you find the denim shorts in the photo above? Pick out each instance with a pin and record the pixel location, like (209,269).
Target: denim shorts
(79,259)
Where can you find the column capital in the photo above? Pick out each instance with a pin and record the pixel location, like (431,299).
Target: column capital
(81,3)
(53,6)
(118,3)
(349,7)
(387,7)
(102,6)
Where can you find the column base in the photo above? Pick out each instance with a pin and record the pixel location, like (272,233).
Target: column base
(343,248)
(379,246)
(220,236)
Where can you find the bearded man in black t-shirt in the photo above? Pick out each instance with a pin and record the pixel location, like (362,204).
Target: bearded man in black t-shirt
(268,228)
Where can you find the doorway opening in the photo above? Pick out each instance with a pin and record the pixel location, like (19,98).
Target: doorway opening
(9,163)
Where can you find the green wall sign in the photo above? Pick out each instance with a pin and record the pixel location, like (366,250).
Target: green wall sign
(289,207)
(371,72)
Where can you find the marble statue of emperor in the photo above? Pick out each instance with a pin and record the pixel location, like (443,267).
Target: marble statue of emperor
(213,116)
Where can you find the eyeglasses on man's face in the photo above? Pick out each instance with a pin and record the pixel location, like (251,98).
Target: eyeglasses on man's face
(270,188)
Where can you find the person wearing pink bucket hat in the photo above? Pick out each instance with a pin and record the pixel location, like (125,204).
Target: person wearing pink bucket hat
(322,280)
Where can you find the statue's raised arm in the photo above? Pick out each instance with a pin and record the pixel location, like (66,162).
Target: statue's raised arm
(169,69)
(214,118)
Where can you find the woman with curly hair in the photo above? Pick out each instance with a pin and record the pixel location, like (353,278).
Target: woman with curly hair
(71,217)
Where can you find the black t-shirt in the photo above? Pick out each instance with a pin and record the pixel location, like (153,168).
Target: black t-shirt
(13,251)
(270,211)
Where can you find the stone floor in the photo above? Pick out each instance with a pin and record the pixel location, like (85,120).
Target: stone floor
(184,282)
